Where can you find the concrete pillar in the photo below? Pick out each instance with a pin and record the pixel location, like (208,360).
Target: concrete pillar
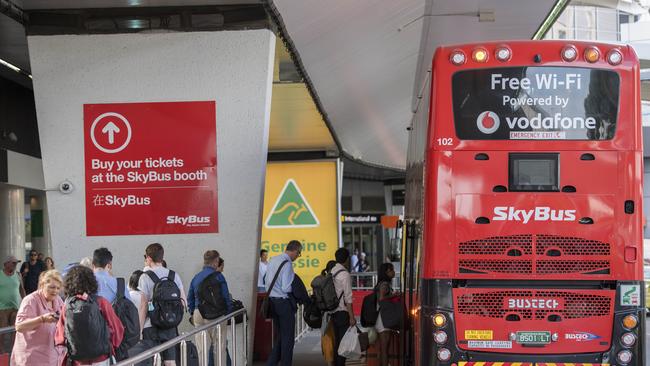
(233,69)
(41,243)
(12,222)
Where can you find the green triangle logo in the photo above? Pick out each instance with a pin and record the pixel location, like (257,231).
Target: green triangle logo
(291,209)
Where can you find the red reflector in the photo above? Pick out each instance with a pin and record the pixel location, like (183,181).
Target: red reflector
(630,254)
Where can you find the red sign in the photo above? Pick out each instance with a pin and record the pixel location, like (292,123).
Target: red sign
(151,168)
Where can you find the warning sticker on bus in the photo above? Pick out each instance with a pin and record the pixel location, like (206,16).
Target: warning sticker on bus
(479,335)
(535,103)
(490,344)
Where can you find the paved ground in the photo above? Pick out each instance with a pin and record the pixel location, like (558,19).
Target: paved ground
(308,353)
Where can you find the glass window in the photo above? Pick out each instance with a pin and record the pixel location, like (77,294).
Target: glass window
(585,22)
(535,103)
(607,24)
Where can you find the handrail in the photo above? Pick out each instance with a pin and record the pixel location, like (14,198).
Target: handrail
(368,280)
(301,327)
(201,329)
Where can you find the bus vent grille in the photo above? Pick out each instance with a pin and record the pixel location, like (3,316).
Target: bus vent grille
(497,245)
(491,304)
(499,266)
(534,254)
(570,245)
(572,266)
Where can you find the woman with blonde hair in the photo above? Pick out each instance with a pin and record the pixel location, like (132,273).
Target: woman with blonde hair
(36,323)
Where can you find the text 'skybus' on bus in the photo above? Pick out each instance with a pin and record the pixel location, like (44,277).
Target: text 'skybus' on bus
(523,216)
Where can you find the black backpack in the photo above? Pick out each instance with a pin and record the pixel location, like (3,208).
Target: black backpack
(167,302)
(325,295)
(211,302)
(86,330)
(312,315)
(369,312)
(128,314)
(192,354)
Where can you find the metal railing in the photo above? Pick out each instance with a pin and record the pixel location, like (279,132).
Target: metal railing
(7,335)
(301,326)
(202,332)
(368,280)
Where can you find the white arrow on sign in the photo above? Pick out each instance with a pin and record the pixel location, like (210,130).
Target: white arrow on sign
(111,129)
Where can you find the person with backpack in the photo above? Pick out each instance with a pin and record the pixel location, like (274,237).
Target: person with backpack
(209,298)
(279,275)
(138,297)
(343,315)
(163,291)
(383,291)
(88,327)
(102,267)
(117,293)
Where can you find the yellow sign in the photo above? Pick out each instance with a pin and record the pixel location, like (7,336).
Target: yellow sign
(301,203)
(480,335)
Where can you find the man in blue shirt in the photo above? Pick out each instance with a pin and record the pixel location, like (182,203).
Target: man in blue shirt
(210,266)
(284,308)
(107,284)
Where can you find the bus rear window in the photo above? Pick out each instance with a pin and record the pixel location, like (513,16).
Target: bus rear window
(535,103)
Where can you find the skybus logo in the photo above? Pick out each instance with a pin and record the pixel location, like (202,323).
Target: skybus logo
(191,220)
(507,213)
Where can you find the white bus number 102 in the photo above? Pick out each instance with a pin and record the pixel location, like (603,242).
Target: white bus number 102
(445,141)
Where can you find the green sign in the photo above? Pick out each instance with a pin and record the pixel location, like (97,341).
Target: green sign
(37,223)
(291,209)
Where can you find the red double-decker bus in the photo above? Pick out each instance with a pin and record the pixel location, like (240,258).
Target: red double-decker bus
(524,207)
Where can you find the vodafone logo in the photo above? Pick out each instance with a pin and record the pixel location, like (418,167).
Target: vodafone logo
(488,122)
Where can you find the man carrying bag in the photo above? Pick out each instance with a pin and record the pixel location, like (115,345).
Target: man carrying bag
(282,306)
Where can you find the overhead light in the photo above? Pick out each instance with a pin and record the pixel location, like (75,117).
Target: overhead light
(14,68)
(11,66)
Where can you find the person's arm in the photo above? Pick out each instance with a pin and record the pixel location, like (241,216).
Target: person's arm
(226,294)
(115,326)
(191,302)
(347,296)
(21,288)
(179,283)
(383,291)
(142,310)
(286,278)
(59,333)
(24,269)
(25,321)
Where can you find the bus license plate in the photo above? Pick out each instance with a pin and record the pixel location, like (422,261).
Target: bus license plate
(533,337)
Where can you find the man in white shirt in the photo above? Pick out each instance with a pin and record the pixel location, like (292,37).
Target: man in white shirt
(153,260)
(343,316)
(355,260)
(264,264)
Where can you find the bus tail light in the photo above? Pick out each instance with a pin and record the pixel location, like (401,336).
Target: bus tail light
(503,54)
(441,337)
(480,55)
(592,54)
(457,57)
(630,321)
(624,356)
(628,339)
(439,320)
(614,57)
(444,355)
(569,53)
